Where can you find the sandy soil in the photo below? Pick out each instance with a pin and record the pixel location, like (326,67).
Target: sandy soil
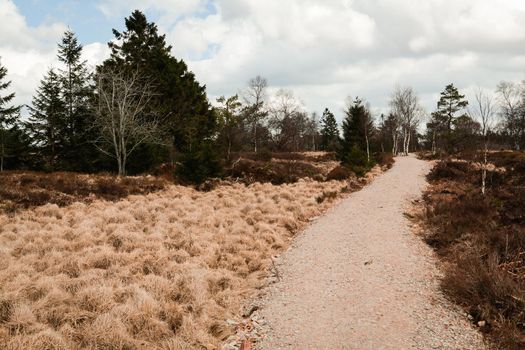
(359,278)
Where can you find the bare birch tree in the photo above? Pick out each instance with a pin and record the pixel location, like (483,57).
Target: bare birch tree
(254,97)
(511,102)
(406,107)
(395,125)
(288,119)
(368,124)
(121,103)
(483,112)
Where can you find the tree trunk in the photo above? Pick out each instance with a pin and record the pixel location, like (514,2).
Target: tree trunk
(407,149)
(434,142)
(2,156)
(119,163)
(124,160)
(367,149)
(484,169)
(255,136)
(229,148)
(393,145)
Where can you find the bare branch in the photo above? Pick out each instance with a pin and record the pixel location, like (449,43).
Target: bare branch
(122,99)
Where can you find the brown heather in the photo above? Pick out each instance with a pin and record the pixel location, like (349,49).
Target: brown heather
(27,189)
(157,271)
(481,240)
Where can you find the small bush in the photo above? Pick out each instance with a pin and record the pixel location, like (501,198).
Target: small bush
(263,155)
(357,161)
(450,170)
(509,160)
(427,155)
(385,159)
(340,173)
(110,188)
(199,165)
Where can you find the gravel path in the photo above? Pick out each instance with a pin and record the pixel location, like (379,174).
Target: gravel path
(359,278)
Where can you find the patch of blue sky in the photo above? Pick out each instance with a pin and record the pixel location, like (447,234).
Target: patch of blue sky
(86,19)
(83,17)
(211,51)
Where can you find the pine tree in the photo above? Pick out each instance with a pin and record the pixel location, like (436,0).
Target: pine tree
(76,93)
(355,145)
(8,117)
(329,131)
(450,103)
(48,122)
(179,98)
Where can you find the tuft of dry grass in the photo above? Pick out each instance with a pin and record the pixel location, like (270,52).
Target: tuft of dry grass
(481,239)
(19,190)
(156,271)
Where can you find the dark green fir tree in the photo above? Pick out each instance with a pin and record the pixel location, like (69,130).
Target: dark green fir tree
(179,99)
(9,115)
(329,132)
(47,123)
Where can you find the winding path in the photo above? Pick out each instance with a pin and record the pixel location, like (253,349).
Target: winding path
(358,278)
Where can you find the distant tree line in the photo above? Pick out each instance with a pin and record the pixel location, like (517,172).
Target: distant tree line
(142,108)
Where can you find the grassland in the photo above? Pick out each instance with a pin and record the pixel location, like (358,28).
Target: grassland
(162,270)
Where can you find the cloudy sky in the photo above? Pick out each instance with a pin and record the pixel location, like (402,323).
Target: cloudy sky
(324,50)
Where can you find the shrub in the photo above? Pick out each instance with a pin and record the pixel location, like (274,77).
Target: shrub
(450,170)
(263,155)
(340,173)
(509,160)
(483,240)
(357,161)
(31,189)
(275,172)
(320,156)
(198,165)
(385,159)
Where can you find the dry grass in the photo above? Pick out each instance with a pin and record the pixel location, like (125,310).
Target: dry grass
(31,189)
(481,239)
(157,271)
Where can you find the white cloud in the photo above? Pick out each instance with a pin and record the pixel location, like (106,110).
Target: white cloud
(327,50)
(27,52)
(17,35)
(95,53)
(169,9)
(323,50)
